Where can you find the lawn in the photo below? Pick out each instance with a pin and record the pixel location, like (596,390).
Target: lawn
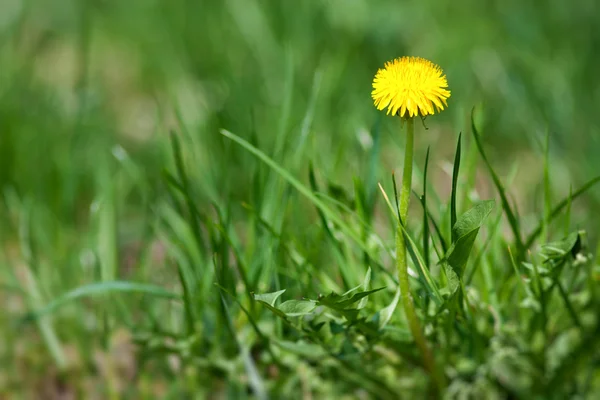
(199,199)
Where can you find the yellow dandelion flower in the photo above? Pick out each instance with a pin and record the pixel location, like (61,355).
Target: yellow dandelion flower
(410,86)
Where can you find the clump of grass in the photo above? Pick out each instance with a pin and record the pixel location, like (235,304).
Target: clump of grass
(265,261)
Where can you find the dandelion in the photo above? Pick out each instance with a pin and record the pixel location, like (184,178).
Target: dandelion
(410,86)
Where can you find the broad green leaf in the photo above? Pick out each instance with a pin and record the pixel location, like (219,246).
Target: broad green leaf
(453,281)
(466,230)
(296,308)
(561,248)
(386,313)
(365,286)
(274,310)
(269,298)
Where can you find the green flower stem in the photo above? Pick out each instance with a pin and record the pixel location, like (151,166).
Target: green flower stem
(402,265)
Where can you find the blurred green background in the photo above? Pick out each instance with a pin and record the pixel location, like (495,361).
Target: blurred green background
(89,91)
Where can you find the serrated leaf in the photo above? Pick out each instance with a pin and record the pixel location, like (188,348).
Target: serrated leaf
(339,303)
(297,308)
(269,298)
(351,314)
(308,350)
(385,314)
(466,230)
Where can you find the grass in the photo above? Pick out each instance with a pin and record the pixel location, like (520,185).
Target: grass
(198,200)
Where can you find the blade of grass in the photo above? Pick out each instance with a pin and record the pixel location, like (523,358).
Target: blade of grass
(492,235)
(425,219)
(180,242)
(255,381)
(292,249)
(568,304)
(454,185)
(568,215)
(547,194)
(185,189)
(31,286)
(336,219)
(438,232)
(241,265)
(288,91)
(337,248)
(512,220)
(44,324)
(263,338)
(101,288)
(373,166)
(308,118)
(559,207)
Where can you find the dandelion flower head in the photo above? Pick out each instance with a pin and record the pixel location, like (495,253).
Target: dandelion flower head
(410,86)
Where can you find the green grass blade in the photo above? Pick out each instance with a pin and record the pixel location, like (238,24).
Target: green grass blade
(370,182)
(107,226)
(454,185)
(559,207)
(255,381)
(337,248)
(422,270)
(425,217)
(436,227)
(512,220)
(492,235)
(547,192)
(308,119)
(299,187)
(568,304)
(185,189)
(293,251)
(32,288)
(241,265)
(568,214)
(100,288)
(288,91)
